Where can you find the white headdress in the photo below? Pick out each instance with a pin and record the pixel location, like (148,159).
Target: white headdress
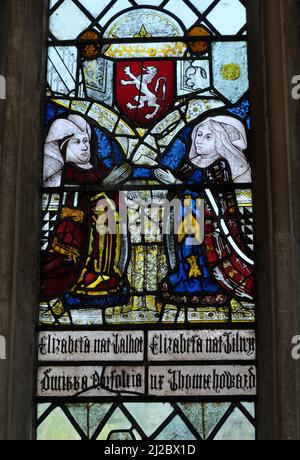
(61,129)
(234,141)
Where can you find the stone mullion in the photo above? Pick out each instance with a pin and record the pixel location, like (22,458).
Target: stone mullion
(20,204)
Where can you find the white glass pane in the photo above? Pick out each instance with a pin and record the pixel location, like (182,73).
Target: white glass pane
(192,76)
(52,3)
(90,316)
(62,27)
(117,8)
(95,7)
(228,17)
(62,67)
(149,2)
(187,16)
(202,5)
(230,69)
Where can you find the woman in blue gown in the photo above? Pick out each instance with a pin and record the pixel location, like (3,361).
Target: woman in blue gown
(220,266)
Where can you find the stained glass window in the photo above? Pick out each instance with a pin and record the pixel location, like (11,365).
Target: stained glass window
(147,248)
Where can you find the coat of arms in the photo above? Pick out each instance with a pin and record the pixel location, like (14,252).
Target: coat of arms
(144,90)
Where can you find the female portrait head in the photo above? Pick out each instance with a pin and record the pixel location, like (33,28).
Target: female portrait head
(78,151)
(68,141)
(218,137)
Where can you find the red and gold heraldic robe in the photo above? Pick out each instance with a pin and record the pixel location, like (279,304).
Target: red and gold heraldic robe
(83,263)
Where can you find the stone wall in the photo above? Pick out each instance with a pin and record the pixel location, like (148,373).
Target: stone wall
(22,45)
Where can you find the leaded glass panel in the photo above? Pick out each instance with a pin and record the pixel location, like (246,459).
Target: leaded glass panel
(147,299)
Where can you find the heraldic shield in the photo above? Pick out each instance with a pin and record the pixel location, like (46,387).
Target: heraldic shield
(144,89)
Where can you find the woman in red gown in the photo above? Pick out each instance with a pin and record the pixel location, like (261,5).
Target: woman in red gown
(85,259)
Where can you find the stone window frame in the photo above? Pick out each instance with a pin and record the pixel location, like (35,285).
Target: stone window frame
(275,146)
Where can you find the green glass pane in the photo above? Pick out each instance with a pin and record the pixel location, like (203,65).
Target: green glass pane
(236,428)
(149,416)
(176,430)
(88,416)
(57,427)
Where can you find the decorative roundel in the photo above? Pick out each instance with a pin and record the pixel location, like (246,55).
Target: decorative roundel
(90,50)
(199,46)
